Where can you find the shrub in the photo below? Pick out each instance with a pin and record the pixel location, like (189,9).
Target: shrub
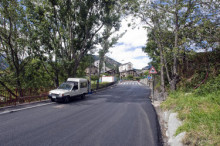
(212,86)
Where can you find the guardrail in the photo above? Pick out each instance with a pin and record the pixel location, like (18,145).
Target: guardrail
(28,95)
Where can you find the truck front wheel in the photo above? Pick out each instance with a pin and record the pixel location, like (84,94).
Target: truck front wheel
(67,99)
(83,96)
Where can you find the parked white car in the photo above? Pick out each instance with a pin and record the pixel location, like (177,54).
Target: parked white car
(71,88)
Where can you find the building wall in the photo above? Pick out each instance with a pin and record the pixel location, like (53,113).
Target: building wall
(111,72)
(94,71)
(126,67)
(96,63)
(108,79)
(127,73)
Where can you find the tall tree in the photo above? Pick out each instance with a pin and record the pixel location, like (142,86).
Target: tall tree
(67,30)
(173,18)
(106,43)
(155,22)
(13,47)
(108,37)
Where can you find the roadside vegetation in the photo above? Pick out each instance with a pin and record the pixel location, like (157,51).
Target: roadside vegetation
(44,42)
(183,44)
(200,112)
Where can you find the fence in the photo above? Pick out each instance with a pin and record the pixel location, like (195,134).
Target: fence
(28,95)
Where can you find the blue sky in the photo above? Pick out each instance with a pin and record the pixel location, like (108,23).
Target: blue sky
(129,47)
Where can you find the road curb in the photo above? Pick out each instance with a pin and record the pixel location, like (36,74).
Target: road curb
(20,109)
(23,104)
(10,109)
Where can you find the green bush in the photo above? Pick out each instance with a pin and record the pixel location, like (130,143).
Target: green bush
(199,111)
(212,86)
(94,78)
(130,77)
(137,78)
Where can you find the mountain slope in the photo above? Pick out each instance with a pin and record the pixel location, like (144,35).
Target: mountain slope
(109,62)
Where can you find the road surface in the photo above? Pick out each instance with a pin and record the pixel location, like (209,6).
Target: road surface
(118,116)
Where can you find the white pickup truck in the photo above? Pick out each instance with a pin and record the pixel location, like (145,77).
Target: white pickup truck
(71,88)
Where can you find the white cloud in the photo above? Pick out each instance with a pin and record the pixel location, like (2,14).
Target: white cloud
(129,47)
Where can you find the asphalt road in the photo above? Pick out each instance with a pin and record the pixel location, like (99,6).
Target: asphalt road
(118,116)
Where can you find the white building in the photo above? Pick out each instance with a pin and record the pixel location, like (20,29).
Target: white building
(104,69)
(125,67)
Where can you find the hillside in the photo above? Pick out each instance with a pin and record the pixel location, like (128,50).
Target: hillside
(110,63)
(197,100)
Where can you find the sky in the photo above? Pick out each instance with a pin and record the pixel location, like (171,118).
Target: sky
(129,47)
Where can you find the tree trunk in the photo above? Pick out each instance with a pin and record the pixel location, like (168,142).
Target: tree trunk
(167,71)
(9,90)
(75,67)
(100,68)
(184,63)
(175,65)
(162,86)
(19,87)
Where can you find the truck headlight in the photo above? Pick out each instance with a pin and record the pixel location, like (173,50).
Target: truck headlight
(61,95)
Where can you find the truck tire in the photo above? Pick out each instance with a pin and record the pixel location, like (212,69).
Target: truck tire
(83,96)
(53,100)
(67,99)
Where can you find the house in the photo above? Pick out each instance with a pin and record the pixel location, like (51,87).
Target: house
(138,72)
(111,72)
(97,62)
(125,67)
(94,70)
(132,72)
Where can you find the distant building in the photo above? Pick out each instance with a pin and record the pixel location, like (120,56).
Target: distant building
(125,67)
(104,69)
(132,72)
(94,70)
(111,72)
(138,72)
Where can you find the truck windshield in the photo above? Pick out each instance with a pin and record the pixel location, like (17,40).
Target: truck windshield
(65,86)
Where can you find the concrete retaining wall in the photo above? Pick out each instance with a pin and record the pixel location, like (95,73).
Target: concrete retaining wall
(169,122)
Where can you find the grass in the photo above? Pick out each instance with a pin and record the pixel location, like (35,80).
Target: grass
(200,115)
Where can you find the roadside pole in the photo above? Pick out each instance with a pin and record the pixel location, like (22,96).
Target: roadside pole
(152,88)
(90,78)
(90,83)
